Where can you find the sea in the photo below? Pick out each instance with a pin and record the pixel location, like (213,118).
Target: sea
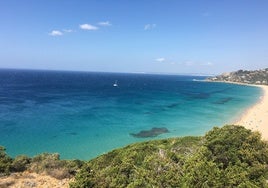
(82,115)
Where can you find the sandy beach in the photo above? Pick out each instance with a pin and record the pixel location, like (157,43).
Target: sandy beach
(256,117)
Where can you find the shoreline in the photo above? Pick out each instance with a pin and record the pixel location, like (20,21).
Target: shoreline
(255,117)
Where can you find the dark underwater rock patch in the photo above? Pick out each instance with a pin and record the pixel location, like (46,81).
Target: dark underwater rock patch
(197,95)
(72,133)
(155,131)
(173,105)
(223,100)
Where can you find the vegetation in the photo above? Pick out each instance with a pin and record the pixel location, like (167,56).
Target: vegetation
(43,163)
(53,166)
(231,156)
(243,76)
(5,162)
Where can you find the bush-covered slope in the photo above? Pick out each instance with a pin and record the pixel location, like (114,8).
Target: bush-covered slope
(231,156)
(154,163)
(49,164)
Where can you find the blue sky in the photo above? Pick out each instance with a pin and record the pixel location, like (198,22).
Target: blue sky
(168,36)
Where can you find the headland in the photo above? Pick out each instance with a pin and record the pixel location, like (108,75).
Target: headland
(256,117)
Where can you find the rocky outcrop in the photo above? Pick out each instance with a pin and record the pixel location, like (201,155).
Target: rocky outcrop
(259,77)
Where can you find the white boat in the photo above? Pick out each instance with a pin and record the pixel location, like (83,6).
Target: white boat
(115,84)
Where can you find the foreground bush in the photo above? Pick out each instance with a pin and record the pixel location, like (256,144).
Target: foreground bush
(47,163)
(5,162)
(20,163)
(231,156)
(149,164)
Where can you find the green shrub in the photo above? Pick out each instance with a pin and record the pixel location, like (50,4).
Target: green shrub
(5,162)
(231,156)
(147,164)
(53,166)
(20,163)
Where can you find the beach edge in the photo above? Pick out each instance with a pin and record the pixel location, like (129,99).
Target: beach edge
(255,117)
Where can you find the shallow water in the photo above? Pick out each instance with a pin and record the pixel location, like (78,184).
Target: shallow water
(81,115)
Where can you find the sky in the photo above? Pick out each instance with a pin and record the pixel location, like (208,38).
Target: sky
(154,36)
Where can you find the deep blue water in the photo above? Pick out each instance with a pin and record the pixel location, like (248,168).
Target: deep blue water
(81,115)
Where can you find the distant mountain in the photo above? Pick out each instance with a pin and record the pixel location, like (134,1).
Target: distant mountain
(259,77)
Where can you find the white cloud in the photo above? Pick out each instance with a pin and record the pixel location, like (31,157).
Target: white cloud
(208,63)
(55,33)
(197,63)
(107,23)
(146,27)
(161,59)
(68,30)
(149,26)
(88,27)
(189,63)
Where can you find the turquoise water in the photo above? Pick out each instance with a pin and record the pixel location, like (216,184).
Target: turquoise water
(81,115)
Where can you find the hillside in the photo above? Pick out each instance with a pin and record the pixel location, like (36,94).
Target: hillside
(31,179)
(231,156)
(44,170)
(259,77)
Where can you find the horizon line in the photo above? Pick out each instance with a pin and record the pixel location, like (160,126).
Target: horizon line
(95,71)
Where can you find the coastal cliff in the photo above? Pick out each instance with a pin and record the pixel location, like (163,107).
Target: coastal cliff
(259,77)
